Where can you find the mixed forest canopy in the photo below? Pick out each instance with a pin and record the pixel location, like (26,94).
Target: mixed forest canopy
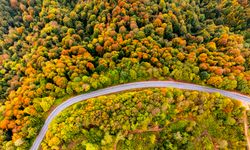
(149,119)
(53,49)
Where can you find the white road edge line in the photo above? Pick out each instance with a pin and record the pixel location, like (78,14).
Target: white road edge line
(129,86)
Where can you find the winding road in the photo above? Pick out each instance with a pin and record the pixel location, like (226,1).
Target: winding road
(129,86)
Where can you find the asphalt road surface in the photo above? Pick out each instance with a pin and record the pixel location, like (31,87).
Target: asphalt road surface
(129,86)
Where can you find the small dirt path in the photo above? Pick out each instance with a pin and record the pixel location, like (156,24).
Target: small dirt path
(156,129)
(246,130)
(246,124)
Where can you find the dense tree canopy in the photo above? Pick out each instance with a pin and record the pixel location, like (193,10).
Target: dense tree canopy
(150,119)
(53,49)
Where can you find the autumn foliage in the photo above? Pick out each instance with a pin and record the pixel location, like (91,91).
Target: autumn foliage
(161,118)
(53,49)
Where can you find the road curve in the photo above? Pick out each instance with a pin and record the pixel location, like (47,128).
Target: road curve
(129,86)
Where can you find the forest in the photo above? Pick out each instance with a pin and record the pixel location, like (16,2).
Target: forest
(54,49)
(158,118)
